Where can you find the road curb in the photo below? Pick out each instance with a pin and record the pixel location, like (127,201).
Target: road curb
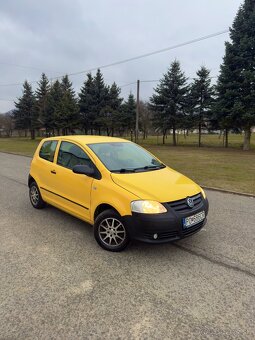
(16,154)
(228,191)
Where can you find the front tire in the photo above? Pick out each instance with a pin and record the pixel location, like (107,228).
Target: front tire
(35,196)
(110,231)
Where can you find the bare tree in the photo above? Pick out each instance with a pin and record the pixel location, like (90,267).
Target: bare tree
(145,118)
(6,124)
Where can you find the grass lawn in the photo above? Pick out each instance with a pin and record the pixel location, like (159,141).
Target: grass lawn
(230,169)
(20,146)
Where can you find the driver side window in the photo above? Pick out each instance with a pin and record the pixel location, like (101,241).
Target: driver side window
(70,155)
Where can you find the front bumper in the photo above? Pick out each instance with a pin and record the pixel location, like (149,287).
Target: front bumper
(167,226)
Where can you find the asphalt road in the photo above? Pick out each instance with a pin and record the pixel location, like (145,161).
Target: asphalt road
(57,283)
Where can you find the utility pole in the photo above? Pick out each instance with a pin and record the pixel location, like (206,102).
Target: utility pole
(137,111)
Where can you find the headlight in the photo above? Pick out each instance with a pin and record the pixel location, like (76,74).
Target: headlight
(147,207)
(203,193)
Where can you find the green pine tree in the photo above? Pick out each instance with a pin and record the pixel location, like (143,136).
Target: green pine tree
(26,115)
(87,102)
(128,115)
(42,103)
(69,119)
(169,100)
(55,107)
(202,100)
(101,98)
(242,64)
(113,109)
(224,115)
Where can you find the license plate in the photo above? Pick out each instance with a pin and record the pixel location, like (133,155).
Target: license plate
(193,220)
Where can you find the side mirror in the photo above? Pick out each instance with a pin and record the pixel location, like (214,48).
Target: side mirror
(84,170)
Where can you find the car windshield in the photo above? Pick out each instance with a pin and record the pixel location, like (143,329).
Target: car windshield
(124,157)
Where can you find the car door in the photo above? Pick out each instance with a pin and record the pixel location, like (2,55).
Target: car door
(72,191)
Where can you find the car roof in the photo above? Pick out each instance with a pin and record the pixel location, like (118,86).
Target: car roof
(88,139)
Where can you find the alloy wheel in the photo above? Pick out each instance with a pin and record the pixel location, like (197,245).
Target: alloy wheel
(112,232)
(34,195)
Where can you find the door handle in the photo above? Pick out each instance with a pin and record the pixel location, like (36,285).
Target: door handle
(53,172)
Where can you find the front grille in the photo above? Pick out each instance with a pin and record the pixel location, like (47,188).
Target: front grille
(193,229)
(182,206)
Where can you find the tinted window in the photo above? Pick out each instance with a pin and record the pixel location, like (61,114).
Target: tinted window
(70,155)
(48,150)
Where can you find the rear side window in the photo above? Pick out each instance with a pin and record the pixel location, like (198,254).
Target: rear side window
(70,155)
(48,149)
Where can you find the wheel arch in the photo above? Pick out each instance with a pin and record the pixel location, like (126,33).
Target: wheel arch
(102,207)
(30,180)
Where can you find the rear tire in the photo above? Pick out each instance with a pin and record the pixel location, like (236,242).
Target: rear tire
(110,231)
(35,196)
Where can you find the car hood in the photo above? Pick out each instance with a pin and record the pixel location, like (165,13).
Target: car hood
(163,185)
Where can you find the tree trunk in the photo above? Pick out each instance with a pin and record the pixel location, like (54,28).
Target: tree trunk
(226,138)
(174,137)
(247,139)
(199,134)
(32,133)
(131,135)
(112,132)
(164,136)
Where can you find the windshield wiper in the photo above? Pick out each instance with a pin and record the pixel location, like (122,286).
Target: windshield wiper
(151,167)
(122,171)
(146,168)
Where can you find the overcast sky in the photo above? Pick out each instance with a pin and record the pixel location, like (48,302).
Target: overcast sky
(59,36)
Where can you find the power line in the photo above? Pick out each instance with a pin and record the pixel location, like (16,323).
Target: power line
(18,84)
(134,82)
(156,80)
(151,53)
(27,67)
(134,58)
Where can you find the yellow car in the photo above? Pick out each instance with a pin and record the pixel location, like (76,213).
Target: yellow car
(118,187)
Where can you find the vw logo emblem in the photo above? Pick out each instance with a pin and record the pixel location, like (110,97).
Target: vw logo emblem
(190,202)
